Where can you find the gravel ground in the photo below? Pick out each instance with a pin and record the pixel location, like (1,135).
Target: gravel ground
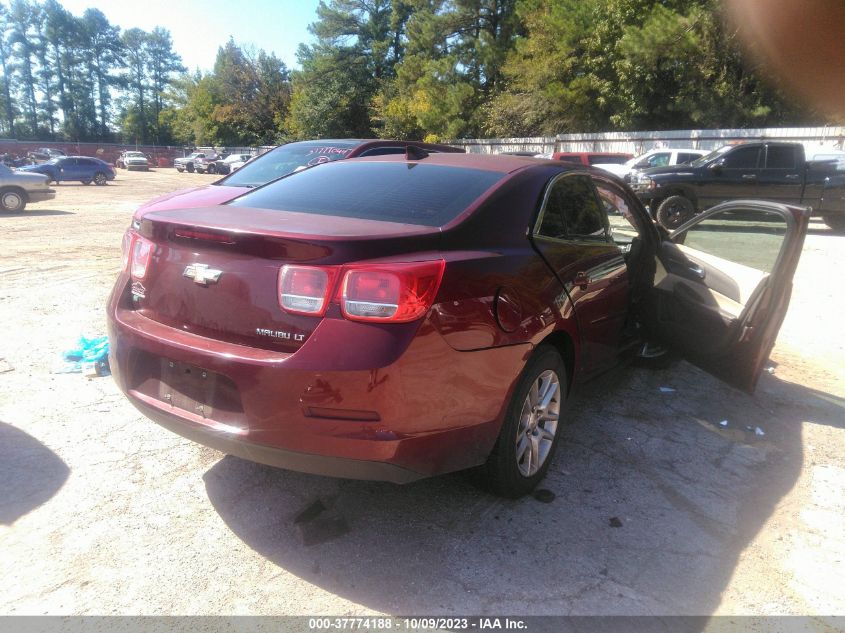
(104,512)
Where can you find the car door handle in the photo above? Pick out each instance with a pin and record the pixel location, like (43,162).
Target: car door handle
(582,280)
(749,176)
(697,270)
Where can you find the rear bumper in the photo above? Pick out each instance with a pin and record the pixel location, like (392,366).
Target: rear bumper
(351,402)
(41,196)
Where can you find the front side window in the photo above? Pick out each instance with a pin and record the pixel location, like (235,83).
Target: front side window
(572,210)
(659,160)
(751,238)
(620,215)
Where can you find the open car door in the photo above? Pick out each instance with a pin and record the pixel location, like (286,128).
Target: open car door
(723,285)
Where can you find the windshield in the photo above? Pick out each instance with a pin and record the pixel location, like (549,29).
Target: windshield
(286,159)
(427,195)
(52,161)
(698,162)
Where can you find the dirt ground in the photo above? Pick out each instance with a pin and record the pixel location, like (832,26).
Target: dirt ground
(104,512)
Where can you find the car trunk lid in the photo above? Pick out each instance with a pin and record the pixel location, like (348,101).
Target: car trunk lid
(214,271)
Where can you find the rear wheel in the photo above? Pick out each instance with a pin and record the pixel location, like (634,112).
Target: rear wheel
(85,181)
(100,179)
(674,211)
(212,169)
(12,200)
(190,168)
(836,222)
(530,432)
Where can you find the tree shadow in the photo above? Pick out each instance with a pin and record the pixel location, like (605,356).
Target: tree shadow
(653,501)
(35,213)
(29,471)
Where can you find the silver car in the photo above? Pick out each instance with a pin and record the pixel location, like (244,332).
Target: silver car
(17,188)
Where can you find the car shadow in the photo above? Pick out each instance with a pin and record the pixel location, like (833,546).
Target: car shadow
(35,213)
(651,499)
(29,471)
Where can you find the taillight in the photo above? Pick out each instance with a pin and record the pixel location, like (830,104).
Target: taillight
(142,251)
(397,293)
(305,289)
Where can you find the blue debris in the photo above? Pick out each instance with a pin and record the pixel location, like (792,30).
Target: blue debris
(90,356)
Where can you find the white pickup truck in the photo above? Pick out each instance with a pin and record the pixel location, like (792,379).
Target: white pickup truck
(663,157)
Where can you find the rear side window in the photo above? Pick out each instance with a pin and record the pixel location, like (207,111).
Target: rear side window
(742,158)
(428,195)
(781,157)
(572,210)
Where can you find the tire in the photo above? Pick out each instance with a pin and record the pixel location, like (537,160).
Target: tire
(212,169)
(12,200)
(180,169)
(86,181)
(526,434)
(674,211)
(190,168)
(100,179)
(836,222)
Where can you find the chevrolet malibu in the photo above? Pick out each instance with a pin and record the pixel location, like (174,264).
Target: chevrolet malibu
(400,317)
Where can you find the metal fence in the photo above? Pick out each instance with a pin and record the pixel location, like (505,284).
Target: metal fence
(832,137)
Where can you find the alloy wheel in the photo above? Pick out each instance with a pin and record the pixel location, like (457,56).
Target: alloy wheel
(538,422)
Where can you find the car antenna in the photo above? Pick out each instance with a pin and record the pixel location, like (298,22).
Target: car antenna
(415,153)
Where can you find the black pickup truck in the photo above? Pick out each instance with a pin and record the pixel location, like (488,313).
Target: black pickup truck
(755,171)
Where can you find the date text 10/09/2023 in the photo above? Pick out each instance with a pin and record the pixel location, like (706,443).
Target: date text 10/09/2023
(377,624)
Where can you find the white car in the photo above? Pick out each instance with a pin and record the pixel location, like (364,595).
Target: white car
(655,158)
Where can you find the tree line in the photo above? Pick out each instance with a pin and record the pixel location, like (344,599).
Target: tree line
(424,69)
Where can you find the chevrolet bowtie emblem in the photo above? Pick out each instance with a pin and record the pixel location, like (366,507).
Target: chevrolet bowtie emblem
(202,274)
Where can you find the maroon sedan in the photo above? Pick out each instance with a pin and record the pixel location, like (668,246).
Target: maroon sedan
(404,316)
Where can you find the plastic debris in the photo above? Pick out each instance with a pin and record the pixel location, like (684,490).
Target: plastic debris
(90,356)
(723,423)
(759,431)
(667,390)
(543,495)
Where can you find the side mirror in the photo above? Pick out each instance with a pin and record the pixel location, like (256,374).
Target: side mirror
(716,166)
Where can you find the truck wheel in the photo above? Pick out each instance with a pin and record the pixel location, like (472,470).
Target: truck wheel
(836,222)
(674,211)
(531,429)
(190,168)
(180,169)
(12,200)
(212,169)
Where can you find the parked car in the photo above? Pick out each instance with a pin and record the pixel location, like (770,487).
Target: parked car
(17,188)
(188,163)
(767,171)
(208,163)
(281,161)
(401,317)
(592,158)
(231,163)
(133,160)
(43,154)
(652,158)
(67,168)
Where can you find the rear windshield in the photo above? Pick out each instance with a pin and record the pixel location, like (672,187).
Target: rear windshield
(608,159)
(286,159)
(427,195)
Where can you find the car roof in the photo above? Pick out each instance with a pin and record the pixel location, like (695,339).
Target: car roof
(503,163)
(361,142)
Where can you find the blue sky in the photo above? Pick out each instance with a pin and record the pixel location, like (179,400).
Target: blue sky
(200,27)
